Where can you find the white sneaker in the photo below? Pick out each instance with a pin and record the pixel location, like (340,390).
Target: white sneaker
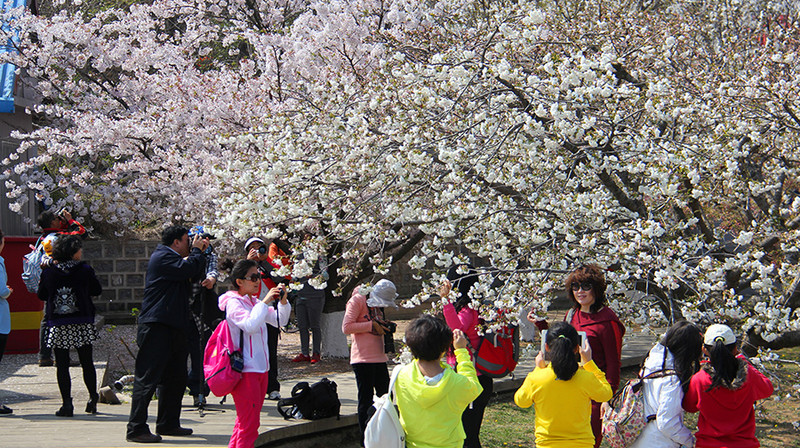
(274,395)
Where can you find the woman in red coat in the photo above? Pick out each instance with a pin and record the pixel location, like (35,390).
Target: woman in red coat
(586,289)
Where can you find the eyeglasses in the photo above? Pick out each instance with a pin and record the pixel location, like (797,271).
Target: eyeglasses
(253,278)
(586,286)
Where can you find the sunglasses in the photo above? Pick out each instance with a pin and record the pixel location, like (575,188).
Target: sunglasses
(253,278)
(586,286)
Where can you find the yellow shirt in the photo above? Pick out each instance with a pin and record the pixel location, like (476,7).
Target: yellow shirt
(563,408)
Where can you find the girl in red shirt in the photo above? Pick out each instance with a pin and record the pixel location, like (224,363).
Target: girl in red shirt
(724,391)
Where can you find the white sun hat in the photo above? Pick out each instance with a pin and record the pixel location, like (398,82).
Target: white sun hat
(383,294)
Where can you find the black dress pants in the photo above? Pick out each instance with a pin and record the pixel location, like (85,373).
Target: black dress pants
(273,334)
(161,363)
(473,416)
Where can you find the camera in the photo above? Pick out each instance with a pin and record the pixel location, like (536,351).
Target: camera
(237,361)
(388,336)
(391,327)
(199,230)
(262,250)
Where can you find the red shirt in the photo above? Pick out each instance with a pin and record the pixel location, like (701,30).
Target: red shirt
(727,418)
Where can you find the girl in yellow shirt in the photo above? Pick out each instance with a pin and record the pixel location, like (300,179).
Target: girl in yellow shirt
(562,392)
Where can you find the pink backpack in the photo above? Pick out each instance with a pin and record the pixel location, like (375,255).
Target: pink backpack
(223,361)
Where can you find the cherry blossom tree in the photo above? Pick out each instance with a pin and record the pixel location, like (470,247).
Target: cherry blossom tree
(659,139)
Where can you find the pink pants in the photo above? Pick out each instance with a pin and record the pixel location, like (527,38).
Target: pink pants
(248,397)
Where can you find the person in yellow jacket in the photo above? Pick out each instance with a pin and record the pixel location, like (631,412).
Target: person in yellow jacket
(562,392)
(431,396)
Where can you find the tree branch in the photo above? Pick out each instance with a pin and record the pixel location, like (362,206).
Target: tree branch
(623,74)
(697,212)
(624,200)
(791,113)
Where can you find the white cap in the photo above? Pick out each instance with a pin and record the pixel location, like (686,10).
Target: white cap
(719,332)
(383,294)
(253,240)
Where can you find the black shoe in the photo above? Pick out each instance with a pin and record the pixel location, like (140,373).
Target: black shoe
(46,362)
(65,411)
(199,401)
(91,405)
(174,431)
(5,409)
(144,438)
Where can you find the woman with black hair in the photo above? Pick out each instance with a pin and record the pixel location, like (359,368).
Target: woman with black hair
(67,287)
(248,318)
(459,315)
(562,392)
(671,364)
(724,392)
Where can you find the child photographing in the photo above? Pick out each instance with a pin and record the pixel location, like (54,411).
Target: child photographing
(430,395)
(724,391)
(562,392)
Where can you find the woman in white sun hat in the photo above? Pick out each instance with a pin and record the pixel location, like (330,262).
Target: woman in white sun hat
(365,321)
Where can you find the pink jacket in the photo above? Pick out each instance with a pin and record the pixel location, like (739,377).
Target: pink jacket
(466,320)
(366,347)
(248,314)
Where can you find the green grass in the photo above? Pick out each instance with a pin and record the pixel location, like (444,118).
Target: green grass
(507,425)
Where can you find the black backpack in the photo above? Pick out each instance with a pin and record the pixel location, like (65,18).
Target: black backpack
(319,400)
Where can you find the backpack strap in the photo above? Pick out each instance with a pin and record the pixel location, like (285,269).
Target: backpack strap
(659,374)
(287,407)
(568,317)
(395,374)
(241,340)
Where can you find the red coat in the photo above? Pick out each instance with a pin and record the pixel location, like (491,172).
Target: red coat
(727,418)
(604,331)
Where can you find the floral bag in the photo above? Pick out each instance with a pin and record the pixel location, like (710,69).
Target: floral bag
(625,420)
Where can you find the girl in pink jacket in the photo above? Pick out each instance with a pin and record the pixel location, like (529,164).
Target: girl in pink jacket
(246,313)
(460,316)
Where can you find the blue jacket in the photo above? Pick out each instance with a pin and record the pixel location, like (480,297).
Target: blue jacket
(5,311)
(168,286)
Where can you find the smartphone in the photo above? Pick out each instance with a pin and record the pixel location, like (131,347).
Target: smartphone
(547,357)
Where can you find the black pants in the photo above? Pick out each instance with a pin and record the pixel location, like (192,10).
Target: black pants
(3,340)
(161,363)
(371,379)
(196,379)
(62,372)
(273,334)
(45,352)
(473,416)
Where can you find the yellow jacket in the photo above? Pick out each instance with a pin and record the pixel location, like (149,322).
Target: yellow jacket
(431,415)
(564,408)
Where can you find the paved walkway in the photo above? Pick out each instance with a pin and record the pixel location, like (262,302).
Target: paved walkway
(32,392)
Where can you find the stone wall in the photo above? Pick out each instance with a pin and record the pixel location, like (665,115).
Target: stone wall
(121,266)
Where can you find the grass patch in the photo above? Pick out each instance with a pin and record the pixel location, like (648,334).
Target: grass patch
(507,425)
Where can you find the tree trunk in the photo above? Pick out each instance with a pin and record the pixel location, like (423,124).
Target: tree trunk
(754,340)
(334,342)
